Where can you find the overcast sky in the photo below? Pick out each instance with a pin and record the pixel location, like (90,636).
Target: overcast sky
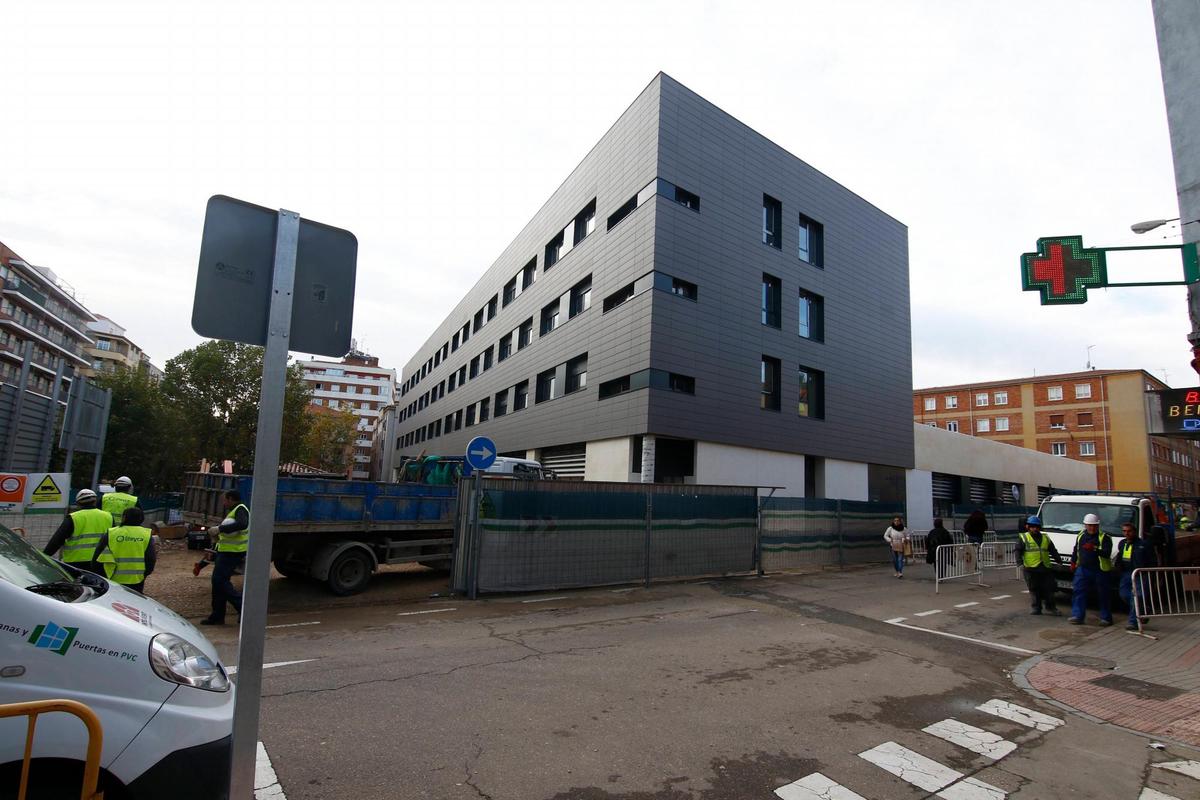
(434,131)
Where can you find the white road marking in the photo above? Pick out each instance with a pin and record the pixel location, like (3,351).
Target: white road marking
(816,787)
(428,611)
(622,591)
(266,782)
(545,599)
(966,605)
(922,772)
(1189,768)
(972,789)
(928,613)
(1006,647)
(977,740)
(233,670)
(1019,714)
(1002,597)
(292,625)
(1154,794)
(894,620)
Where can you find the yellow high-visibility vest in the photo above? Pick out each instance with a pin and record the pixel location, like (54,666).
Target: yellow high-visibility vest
(237,542)
(115,503)
(1035,555)
(1105,563)
(124,559)
(89,524)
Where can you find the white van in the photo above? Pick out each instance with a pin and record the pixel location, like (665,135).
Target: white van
(518,468)
(157,685)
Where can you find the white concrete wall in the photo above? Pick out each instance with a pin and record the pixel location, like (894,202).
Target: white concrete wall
(919,486)
(845,480)
(728,465)
(608,460)
(939,450)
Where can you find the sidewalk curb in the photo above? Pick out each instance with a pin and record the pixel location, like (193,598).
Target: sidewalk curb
(1020,678)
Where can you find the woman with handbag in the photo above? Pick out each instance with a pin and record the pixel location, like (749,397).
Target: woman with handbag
(897,538)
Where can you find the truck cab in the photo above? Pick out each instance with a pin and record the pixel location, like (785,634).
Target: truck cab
(1062,520)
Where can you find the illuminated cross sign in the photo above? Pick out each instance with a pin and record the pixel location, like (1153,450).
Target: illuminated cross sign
(1062,269)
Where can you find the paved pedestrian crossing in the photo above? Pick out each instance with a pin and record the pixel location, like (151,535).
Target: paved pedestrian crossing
(949,784)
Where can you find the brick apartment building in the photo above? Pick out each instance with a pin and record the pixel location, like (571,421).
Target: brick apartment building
(357,384)
(1097,416)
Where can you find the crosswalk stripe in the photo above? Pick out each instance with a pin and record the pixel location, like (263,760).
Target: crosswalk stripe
(816,787)
(1019,714)
(977,740)
(972,789)
(966,605)
(922,772)
(1154,794)
(928,613)
(1189,768)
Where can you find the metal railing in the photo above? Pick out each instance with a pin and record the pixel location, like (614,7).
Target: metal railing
(1165,592)
(953,561)
(919,550)
(91,766)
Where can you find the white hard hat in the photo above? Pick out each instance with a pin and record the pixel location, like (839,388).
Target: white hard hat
(85,494)
(1091,519)
(123,481)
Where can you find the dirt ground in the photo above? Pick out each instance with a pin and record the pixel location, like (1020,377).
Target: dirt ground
(173,585)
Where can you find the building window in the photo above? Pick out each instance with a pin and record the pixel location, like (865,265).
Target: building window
(1054,393)
(505,348)
(1083,391)
(1000,398)
(1084,419)
(931,404)
(623,211)
(1058,422)
(769,396)
(487,359)
(485,409)
(475,367)
(811,235)
(681,288)
(614,387)
(462,375)
(681,383)
(1001,423)
(479,320)
(529,274)
(581,297)
(510,291)
(520,395)
(932,424)
(1058,448)
(470,415)
(547,386)
(1087,448)
(812,393)
(772,288)
(525,334)
(585,222)
(618,297)
(952,425)
(554,251)
(466,333)
(981,399)
(491,309)
(458,420)
(812,316)
(772,222)
(577,374)
(951,401)
(983,425)
(501,403)
(448,425)
(549,318)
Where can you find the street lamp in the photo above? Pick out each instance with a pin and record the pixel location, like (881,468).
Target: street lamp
(1150,224)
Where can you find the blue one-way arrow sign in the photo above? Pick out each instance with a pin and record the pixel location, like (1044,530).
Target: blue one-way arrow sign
(481,453)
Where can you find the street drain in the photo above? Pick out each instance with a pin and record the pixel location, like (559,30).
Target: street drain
(1086,662)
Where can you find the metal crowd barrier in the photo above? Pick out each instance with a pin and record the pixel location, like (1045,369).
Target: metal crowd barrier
(91,767)
(953,561)
(919,550)
(1165,592)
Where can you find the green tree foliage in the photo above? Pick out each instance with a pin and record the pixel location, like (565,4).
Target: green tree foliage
(329,442)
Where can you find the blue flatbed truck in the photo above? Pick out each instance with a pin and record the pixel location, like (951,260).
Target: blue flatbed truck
(339,531)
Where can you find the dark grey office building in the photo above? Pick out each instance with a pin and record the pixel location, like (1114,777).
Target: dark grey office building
(694,304)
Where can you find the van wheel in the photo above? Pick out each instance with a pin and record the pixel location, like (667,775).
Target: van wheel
(350,573)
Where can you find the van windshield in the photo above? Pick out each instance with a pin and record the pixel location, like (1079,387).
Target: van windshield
(1069,516)
(24,565)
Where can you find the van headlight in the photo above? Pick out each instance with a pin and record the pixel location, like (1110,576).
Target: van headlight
(179,661)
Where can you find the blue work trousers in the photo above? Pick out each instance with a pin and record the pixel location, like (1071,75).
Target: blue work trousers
(1126,590)
(223,590)
(1096,580)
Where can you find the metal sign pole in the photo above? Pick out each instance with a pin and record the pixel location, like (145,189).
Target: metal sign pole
(103,436)
(476,533)
(262,511)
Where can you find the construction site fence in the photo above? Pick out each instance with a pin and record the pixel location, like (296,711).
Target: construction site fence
(801,532)
(1165,592)
(539,535)
(954,561)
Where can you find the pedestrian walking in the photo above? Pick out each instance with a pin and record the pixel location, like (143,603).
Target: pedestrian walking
(1091,562)
(1132,553)
(116,502)
(1037,553)
(232,539)
(937,536)
(126,554)
(80,531)
(975,526)
(897,538)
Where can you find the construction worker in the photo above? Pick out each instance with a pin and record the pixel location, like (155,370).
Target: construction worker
(1037,553)
(80,531)
(232,538)
(1132,553)
(126,553)
(116,502)
(1091,561)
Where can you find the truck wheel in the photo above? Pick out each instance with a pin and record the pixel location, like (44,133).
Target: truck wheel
(350,573)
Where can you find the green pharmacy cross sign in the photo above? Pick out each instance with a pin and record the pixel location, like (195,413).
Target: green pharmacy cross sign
(1063,269)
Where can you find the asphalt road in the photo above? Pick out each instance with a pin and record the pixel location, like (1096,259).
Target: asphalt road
(719,690)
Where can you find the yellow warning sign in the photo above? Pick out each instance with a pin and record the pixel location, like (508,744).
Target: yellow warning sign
(47,492)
